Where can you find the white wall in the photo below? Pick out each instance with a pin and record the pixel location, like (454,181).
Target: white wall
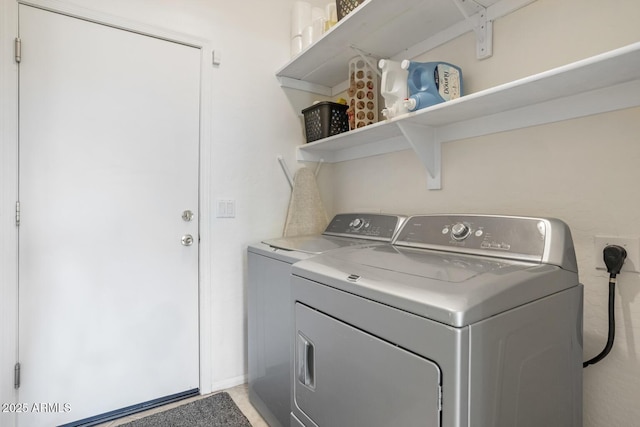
(584,171)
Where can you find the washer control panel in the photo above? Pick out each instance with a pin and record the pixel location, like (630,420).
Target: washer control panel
(358,223)
(460,231)
(365,226)
(503,236)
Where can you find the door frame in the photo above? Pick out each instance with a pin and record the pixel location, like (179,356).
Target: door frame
(9,139)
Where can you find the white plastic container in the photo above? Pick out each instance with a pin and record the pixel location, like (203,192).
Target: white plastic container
(393,88)
(362,93)
(300,17)
(331,15)
(307,37)
(317,23)
(296,45)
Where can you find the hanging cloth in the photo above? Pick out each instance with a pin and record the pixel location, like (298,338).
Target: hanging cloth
(306,214)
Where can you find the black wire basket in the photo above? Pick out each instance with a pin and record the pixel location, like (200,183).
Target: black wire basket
(345,6)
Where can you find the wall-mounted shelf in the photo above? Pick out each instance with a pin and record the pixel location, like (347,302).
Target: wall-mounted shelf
(606,82)
(398,29)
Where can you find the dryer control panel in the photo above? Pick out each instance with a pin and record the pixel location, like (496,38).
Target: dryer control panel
(544,240)
(366,226)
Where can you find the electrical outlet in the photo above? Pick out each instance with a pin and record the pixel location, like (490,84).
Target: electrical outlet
(630,244)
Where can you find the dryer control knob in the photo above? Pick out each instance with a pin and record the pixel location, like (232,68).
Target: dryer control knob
(460,231)
(357,224)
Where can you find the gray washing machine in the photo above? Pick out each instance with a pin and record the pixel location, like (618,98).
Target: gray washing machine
(467,320)
(269,298)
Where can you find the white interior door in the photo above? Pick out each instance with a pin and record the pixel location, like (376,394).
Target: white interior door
(109,142)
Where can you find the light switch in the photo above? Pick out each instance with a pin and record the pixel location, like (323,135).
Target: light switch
(225,208)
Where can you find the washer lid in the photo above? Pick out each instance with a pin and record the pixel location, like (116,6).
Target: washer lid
(456,289)
(314,244)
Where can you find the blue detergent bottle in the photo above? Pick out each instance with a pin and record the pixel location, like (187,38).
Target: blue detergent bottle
(431,83)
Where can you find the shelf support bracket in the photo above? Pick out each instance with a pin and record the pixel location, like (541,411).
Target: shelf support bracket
(428,148)
(484,35)
(482,27)
(290,83)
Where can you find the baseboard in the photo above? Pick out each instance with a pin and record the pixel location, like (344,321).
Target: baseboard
(228,383)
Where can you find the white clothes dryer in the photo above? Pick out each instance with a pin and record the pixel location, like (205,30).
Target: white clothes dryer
(466,321)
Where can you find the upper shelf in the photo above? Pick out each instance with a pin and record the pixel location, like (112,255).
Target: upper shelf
(602,83)
(383,29)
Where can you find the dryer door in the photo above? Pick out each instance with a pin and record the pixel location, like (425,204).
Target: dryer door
(345,377)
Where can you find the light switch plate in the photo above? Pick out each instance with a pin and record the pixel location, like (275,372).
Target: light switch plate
(225,208)
(630,244)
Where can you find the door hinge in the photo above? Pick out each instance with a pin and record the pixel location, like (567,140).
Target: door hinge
(17,213)
(16,376)
(17,47)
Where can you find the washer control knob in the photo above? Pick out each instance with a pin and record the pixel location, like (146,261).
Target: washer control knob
(357,224)
(460,231)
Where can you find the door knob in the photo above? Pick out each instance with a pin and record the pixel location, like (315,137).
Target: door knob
(187,240)
(187,215)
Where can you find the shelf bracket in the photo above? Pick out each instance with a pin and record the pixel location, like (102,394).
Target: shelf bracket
(481,25)
(290,83)
(428,149)
(484,35)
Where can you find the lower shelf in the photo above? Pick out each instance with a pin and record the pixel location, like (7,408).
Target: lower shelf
(596,85)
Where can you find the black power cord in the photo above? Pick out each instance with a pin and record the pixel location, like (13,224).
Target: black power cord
(614,257)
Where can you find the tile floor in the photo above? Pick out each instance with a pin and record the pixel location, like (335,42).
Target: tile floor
(239,394)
